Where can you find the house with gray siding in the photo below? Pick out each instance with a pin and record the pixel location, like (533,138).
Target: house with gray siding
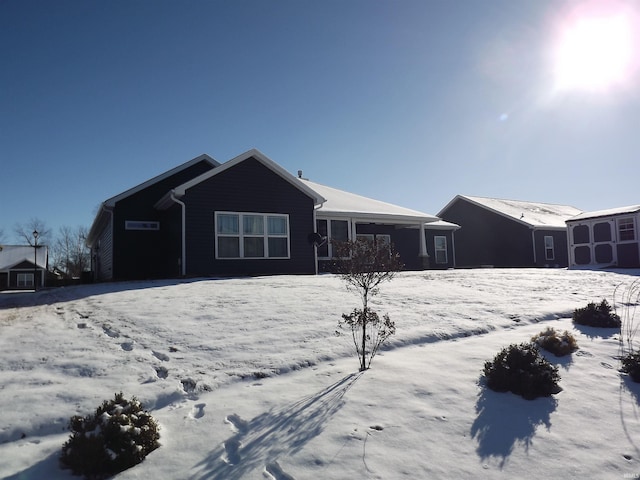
(248,216)
(23,267)
(509,233)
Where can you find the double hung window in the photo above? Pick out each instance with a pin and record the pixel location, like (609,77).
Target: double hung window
(25,279)
(440,249)
(549,251)
(626,230)
(251,235)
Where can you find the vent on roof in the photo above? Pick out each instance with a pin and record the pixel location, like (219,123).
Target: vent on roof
(299,173)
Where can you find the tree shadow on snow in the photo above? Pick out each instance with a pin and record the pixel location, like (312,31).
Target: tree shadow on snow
(505,420)
(259,442)
(47,296)
(48,468)
(597,332)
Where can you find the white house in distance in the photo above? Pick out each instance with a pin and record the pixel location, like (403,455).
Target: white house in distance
(605,238)
(17,268)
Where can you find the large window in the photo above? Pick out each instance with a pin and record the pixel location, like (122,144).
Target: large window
(251,235)
(440,247)
(549,253)
(25,279)
(334,230)
(626,230)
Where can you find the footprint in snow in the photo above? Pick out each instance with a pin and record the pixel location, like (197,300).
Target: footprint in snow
(161,356)
(110,332)
(162,372)
(238,425)
(127,346)
(231,448)
(198,410)
(276,473)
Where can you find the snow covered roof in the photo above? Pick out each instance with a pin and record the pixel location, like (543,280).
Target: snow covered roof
(12,255)
(607,213)
(531,214)
(342,204)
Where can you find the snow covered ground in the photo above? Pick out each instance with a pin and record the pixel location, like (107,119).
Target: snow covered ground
(248,380)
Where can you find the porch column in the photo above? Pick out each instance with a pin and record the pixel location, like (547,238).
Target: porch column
(423,242)
(424,256)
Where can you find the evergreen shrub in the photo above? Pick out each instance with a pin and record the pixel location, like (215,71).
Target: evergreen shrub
(631,365)
(597,315)
(522,370)
(119,435)
(559,344)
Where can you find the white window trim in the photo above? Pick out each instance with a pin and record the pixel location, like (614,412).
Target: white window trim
(445,249)
(28,279)
(552,248)
(240,235)
(632,221)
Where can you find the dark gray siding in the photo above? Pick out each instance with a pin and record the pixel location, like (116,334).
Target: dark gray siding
(405,240)
(247,187)
(561,252)
(487,238)
(139,254)
(628,255)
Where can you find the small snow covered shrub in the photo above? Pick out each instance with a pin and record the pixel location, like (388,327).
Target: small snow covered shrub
(559,344)
(596,315)
(118,436)
(631,365)
(522,370)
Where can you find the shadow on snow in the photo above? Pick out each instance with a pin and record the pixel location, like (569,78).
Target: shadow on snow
(505,420)
(259,442)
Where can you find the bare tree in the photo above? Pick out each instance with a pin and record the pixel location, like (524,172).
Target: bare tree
(364,265)
(24,232)
(69,252)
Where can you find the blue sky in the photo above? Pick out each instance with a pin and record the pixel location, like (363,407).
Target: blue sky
(410,102)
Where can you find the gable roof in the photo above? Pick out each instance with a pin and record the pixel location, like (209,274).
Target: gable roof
(112,201)
(607,213)
(344,204)
(181,190)
(12,255)
(531,214)
(102,217)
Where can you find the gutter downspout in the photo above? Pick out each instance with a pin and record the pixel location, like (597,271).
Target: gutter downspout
(453,247)
(533,240)
(183,250)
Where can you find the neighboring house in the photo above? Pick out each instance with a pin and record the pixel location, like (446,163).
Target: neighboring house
(605,238)
(247,216)
(422,240)
(17,268)
(509,233)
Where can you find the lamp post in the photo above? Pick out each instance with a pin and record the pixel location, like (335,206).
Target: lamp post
(35,258)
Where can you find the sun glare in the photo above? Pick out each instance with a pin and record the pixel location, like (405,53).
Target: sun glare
(596,50)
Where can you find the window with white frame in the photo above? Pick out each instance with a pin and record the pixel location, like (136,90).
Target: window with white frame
(25,279)
(334,230)
(251,235)
(549,252)
(626,230)
(440,249)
